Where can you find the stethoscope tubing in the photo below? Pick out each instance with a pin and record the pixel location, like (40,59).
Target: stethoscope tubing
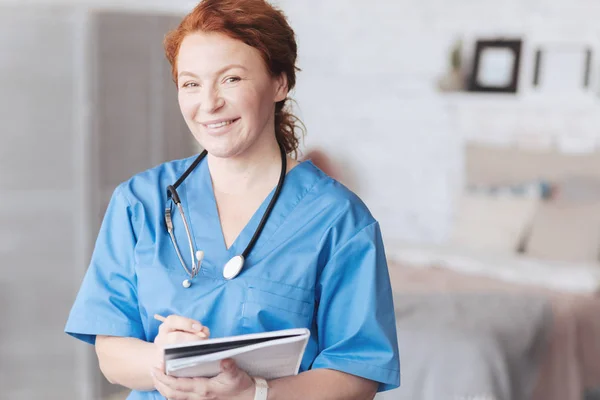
(173,196)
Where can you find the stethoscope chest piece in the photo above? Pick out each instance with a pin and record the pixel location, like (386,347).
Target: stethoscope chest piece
(233,267)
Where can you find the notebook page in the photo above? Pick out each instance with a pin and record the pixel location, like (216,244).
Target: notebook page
(270,361)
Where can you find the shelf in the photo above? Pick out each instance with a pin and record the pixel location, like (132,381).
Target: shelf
(533,101)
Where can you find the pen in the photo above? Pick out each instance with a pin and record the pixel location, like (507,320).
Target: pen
(203,333)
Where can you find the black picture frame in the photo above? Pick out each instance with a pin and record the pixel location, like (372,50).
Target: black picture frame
(513,46)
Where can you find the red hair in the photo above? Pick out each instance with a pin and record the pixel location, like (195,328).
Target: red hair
(259,25)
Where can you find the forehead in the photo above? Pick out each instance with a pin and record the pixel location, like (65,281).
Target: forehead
(202,52)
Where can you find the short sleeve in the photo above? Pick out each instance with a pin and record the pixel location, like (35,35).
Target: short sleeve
(107,303)
(355,316)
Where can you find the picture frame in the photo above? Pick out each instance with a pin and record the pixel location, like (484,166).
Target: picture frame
(496,66)
(563,68)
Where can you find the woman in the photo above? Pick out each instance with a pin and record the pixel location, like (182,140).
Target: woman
(317,262)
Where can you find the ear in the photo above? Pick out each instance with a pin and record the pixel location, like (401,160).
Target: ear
(281,87)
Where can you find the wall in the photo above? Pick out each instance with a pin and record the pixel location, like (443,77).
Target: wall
(38,188)
(367,93)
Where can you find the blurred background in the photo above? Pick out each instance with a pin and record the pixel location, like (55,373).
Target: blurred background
(471,129)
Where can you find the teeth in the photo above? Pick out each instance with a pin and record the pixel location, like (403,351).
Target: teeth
(220,124)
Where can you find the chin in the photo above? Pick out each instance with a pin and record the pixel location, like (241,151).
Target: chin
(223,151)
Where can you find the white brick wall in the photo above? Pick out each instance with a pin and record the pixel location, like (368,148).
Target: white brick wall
(367,93)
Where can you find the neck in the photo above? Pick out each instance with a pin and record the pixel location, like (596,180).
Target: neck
(257,166)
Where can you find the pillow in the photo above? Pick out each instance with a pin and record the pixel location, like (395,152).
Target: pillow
(539,188)
(493,222)
(565,232)
(578,189)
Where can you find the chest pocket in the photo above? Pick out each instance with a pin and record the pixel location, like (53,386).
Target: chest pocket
(270,306)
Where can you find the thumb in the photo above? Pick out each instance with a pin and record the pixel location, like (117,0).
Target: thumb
(229,369)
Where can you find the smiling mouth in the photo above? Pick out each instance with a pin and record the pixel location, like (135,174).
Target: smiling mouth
(221,124)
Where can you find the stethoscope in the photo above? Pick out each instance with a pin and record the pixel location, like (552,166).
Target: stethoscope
(234,266)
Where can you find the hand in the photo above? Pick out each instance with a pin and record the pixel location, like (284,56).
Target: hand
(231,384)
(176,329)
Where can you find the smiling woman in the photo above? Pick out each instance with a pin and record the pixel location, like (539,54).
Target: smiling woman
(307,251)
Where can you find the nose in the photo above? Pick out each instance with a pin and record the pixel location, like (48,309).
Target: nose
(211,101)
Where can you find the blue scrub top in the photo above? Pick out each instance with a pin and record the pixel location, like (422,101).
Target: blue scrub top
(318,264)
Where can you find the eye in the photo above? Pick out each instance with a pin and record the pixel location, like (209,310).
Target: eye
(190,85)
(232,79)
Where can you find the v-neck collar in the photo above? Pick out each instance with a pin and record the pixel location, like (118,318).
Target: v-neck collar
(245,235)
(206,230)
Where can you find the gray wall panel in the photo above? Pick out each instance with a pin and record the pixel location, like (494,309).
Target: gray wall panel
(36,69)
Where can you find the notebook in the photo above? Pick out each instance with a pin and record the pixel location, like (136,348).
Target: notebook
(268,355)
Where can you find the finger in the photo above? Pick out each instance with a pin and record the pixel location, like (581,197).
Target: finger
(181,337)
(175,385)
(231,379)
(201,335)
(163,389)
(206,331)
(229,370)
(179,323)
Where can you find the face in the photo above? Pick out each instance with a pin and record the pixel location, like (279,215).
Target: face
(226,94)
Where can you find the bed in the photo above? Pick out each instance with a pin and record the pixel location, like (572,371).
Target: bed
(559,333)
(509,307)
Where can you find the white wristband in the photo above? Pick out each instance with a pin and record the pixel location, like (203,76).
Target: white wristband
(261,390)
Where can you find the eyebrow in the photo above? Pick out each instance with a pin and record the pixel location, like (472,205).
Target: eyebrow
(219,72)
